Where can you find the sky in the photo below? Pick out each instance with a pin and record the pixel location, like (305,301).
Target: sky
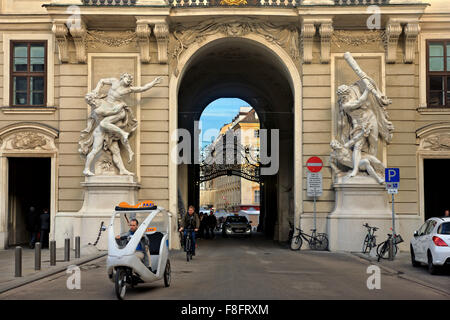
(218,113)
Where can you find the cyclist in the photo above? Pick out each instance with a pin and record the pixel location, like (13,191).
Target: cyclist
(190,222)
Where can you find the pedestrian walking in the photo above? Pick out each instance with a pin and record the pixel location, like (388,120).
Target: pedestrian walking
(212,223)
(44,227)
(32,225)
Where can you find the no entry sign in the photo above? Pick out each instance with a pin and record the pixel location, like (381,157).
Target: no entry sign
(314,164)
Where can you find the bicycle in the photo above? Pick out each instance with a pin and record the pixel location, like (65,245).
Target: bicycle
(383,247)
(188,244)
(317,241)
(370,239)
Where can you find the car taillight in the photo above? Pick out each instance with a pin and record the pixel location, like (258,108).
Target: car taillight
(439,242)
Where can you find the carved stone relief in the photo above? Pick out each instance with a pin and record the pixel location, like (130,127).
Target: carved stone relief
(183,36)
(27,140)
(436,142)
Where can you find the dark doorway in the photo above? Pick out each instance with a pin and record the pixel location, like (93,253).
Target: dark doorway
(436,185)
(29,185)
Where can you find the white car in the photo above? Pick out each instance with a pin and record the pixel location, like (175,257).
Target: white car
(431,244)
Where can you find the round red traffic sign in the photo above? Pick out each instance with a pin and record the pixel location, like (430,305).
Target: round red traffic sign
(314,164)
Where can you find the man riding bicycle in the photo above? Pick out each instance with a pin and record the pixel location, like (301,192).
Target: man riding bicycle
(191,223)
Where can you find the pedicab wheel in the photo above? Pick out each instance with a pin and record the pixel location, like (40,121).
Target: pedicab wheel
(167,276)
(120,284)
(296,243)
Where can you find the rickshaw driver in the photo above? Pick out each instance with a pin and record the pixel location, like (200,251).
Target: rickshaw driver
(144,243)
(190,221)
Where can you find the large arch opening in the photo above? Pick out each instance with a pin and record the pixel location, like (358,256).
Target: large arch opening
(244,69)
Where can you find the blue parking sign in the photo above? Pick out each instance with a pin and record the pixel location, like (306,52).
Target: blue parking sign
(392,174)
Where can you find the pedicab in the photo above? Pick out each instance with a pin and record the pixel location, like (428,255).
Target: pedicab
(124,267)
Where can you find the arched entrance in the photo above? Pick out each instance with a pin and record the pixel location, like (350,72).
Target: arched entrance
(263,75)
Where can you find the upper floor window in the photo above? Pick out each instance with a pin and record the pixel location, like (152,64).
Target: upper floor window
(438,73)
(28,73)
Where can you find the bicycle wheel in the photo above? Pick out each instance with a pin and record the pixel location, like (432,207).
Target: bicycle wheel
(121,283)
(296,243)
(188,248)
(321,242)
(366,243)
(383,250)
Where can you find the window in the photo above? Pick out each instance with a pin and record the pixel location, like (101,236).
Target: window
(430,227)
(28,73)
(256,196)
(438,73)
(444,228)
(422,229)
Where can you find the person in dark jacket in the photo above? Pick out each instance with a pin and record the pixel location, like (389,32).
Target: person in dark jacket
(190,222)
(212,223)
(44,227)
(32,225)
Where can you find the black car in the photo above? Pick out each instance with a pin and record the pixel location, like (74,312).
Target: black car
(236,225)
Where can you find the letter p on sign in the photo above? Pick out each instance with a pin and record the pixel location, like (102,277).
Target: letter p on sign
(392,174)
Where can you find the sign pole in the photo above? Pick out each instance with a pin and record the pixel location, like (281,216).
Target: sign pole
(393,217)
(314,211)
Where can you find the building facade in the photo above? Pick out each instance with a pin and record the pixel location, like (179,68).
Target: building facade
(230,192)
(285,58)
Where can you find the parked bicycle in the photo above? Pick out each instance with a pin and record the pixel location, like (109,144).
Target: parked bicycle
(316,241)
(383,247)
(188,244)
(370,239)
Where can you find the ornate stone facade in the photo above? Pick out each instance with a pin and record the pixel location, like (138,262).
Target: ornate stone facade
(293,51)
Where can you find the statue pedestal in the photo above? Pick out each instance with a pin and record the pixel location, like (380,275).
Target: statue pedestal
(357,201)
(101,195)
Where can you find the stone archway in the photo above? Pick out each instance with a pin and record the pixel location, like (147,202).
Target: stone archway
(279,62)
(26,140)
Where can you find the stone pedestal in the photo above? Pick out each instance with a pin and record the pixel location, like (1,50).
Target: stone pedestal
(357,201)
(101,195)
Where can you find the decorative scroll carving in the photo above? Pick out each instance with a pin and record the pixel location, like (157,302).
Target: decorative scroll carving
(412,30)
(308,32)
(61,32)
(393,31)
(95,38)
(357,38)
(325,30)
(285,36)
(161,31)
(143,35)
(78,31)
(436,142)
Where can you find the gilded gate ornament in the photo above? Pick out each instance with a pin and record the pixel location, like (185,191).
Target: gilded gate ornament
(233,2)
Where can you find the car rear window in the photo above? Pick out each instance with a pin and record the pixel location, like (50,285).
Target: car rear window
(444,228)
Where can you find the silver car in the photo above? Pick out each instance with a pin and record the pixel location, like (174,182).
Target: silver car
(431,244)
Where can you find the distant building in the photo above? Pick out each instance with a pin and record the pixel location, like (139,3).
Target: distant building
(230,192)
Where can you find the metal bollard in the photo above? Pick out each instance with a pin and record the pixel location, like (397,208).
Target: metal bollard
(18,271)
(37,256)
(66,249)
(52,253)
(77,247)
(391,249)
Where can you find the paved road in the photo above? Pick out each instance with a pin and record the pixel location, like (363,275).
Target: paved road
(253,268)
